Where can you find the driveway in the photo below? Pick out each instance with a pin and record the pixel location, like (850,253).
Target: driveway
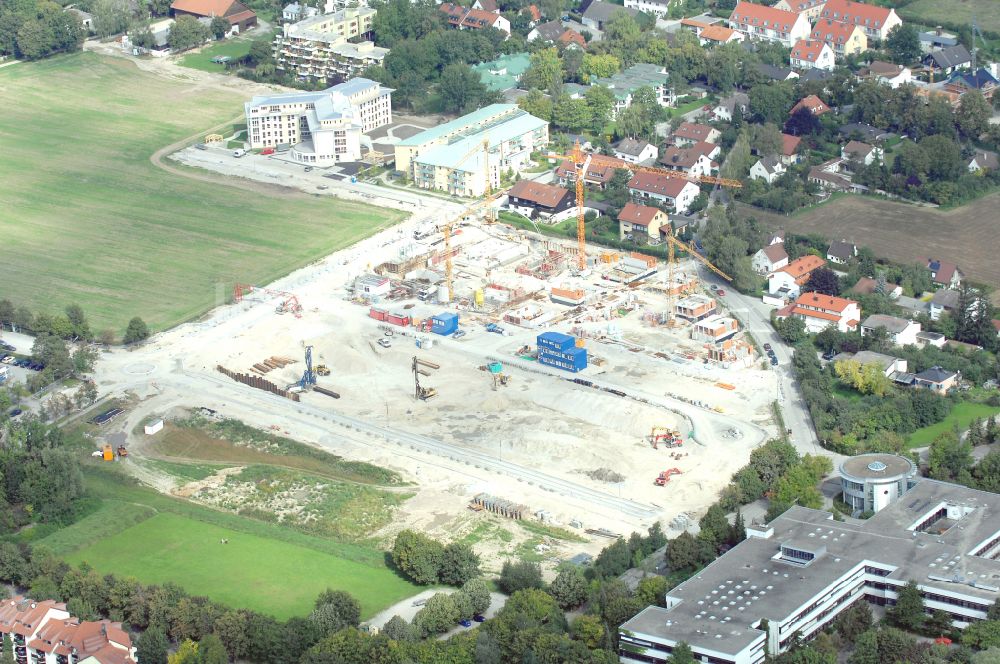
(407,609)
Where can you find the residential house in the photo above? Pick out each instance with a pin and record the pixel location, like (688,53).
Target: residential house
(902,332)
(887,363)
(769,24)
(487,6)
(239,16)
(572,39)
(788,281)
(937,39)
(816,76)
(777,237)
(295,12)
(641,221)
(695,307)
(776,74)
(534,14)
(862,153)
(636,151)
(913,306)
(876,21)
(830,176)
(790,149)
(600,170)
(936,379)
(328,48)
(532,198)
(868,286)
(841,252)
(820,311)
(473,19)
(863,132)
(695,160)
(945,300)
(767,169)
(715,328)
(598,13)
(554,32)
(86,19)
(657,8)
(944,273)
(948,60)
(807,54)
(981,80)
(814,104)
(809,8)
(504,73)
(715,35)
(983,161)
(887,73)
(689,133)
(844,38)
(624,84)
(736,103)
(770,258)
(45,633)
(676,194)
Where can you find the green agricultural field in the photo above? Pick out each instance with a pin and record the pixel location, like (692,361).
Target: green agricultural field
(87,218)
(960,416)
(953,13)
(252,572)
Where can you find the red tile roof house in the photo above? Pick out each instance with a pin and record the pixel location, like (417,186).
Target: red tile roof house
(820,311)
(695,160)
(238,14)
(530,198)
(473,19)
(790,149)
(46,632)
(876,21)
(689,133)
(769,24)
(813,103)
(600,171)
(677,194)
(807,54)
(944,273)
(642,220)
(788,281)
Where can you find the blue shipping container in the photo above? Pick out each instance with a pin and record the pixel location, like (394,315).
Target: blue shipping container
(444,324)
(555,341)
(573,359)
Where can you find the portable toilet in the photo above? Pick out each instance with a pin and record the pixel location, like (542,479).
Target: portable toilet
(444,324)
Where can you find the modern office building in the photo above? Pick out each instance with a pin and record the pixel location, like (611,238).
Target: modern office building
(322,128)
(329,47)
(461,156)
(794,576)
(873,481)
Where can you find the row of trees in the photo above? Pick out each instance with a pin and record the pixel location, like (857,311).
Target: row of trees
(71,325)
(34,29)
(425,560)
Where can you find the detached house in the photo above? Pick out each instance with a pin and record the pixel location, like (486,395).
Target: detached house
(982,161)
(473,19)
(841,252)
(239,16)
(770,258)
(820,311)
(787,281)
(635,151)
(676,194)
(769,24)
(657,8)
(844,38)
(875,21)
(807,54)
(944,273)
(902,332)
(600,170)
(736,103)
(790,149)
(936,379)
(947,60)
(689,133)
(861,153)
(888,73)
(641,221)
(767,169)
(695,160)
(530,198)
(815,105)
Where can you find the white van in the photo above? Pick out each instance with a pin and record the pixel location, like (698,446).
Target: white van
(239,153)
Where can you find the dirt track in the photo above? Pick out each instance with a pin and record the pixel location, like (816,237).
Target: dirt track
(905,233)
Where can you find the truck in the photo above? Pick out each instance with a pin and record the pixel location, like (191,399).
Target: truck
(496,329)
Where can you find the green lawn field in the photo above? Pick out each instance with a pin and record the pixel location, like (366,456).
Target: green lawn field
(955,12)
(135,531)
(961,415)
(235,48)
(86,218)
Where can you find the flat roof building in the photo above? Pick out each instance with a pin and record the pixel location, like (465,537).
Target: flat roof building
(329,47)
(872,481)
(451,156)
(794,576)
(324,127)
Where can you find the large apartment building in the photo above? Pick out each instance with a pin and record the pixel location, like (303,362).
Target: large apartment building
(792,577)
(769,24)
(461,156)
(329,48)
(45,633)
(322,128)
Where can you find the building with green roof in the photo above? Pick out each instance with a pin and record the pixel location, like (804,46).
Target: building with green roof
(504,73)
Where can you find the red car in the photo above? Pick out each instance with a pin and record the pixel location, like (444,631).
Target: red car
(720,292)
(267,151)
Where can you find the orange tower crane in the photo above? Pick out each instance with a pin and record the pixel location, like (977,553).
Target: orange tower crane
(673,242)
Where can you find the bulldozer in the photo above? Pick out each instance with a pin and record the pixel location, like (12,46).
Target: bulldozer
(122,452)
(322,370)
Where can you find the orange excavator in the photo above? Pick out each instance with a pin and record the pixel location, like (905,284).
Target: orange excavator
(665,476)
(667,437)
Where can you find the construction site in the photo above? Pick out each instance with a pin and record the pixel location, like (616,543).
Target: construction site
(503,373)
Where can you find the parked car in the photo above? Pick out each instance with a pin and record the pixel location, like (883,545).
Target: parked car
(720,292)
(308,168)
(16,412)
(829,355)
(459,334)
(767,346)
(465,622)
(7,359)
(774,361)
(7,346)
(479,618)
(201,146)
(384,343)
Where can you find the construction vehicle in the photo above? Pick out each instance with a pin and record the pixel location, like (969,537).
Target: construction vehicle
(669,438)
(420,368)
(664,477)
(289,302)
(122,452)
(108,453)
(497,374)
(322,370)
(309,375)
(581,163)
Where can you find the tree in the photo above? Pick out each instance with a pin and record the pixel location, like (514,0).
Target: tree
(682,654)
(83,360)
(635,122)
(111,17)
(949,458)
(590,630)
(545,72)
(600,101)
(187,653)
(652,590)
(600,66)
(335,610)
(687,554)
(738,161)
(478,593)
(398,629)
(219,27)
(536,103)
(78,320)
(770,103)
(519,576)
(211,651)
(909,610)
(903,43)
(714,527)
(866,379)
(459,564)
(438,615)
(137,330)
(982,634)
(460,88)
(855,621)
(823,281)
(571,114)
(418,556)
(767,139)
(616,192)
(186,33)
(791,330)
(569,588)
(973,115)
(802,122)
(151,646)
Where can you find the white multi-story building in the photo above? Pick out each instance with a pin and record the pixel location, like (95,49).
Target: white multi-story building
(330,47)
(769,24)
(657,8)
(819,311)
(807,54)
(45,633)
(322,128)
(792,577)
(462,156)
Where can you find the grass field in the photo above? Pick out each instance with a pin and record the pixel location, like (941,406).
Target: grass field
(960,416)
(276,570)
(88,219)
(234,48)
(906,233)
(953,12)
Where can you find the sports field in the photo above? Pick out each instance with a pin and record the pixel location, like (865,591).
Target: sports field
(87,218)
(275,570)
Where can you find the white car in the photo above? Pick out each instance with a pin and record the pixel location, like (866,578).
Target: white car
(384,343)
